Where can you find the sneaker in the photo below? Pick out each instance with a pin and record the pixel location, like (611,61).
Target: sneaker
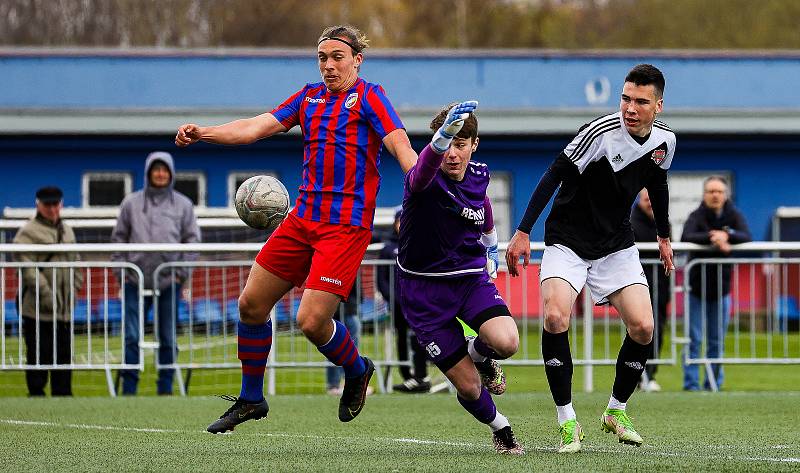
(355,393)
(505,443)
(239,412)
(492,376)
(616,421)
(571,437)
(413,385)
(653,386)
(335,390)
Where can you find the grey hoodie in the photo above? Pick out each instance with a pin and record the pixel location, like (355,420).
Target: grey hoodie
(156,215)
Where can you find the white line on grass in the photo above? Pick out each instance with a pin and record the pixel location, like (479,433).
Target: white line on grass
(643,451)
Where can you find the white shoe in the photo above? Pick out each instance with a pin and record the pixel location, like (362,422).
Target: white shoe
(653,386)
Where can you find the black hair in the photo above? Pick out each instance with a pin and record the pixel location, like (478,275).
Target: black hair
(647,74)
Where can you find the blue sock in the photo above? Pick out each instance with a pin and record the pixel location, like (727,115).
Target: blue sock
(254,342)
(341,351)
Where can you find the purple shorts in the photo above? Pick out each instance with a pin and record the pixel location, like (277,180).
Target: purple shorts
(431,306)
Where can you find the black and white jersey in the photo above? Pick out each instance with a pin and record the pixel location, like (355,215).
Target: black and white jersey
(602,170)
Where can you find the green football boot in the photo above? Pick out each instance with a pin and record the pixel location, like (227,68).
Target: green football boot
(571,437)
(616,421)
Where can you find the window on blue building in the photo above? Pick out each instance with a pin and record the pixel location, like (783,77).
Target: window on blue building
(192,184)
(105,189)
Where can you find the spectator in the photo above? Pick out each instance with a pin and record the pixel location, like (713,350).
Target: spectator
(51,295)
(415,381)
(718,223)
(156,214)
(644,229)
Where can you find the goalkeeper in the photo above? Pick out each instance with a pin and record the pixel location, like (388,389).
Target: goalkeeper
(446,234)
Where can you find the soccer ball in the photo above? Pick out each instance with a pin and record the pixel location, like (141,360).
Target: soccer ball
(262,202)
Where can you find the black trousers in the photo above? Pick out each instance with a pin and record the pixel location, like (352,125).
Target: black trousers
(60,380)
(419,357)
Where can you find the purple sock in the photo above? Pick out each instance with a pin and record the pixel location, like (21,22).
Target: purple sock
(484,350)
(482,408)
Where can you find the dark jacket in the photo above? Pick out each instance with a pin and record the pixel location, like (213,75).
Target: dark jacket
(696,229)
(644,230)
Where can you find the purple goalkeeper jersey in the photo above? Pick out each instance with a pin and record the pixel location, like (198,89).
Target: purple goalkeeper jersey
(442,220)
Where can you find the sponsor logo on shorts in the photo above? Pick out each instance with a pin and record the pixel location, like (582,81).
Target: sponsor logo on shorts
(330,280)
(311,100)
(553,362)
(634,365)
(351,100)
(617,159)
(498,296)
(433,349)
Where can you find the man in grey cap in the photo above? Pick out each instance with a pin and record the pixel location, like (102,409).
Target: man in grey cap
(46,296)
(155,214)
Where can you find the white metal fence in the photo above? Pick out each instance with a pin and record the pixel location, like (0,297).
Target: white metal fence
(762,320)
(78,329)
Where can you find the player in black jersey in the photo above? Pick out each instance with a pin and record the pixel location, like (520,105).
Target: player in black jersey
(589,241)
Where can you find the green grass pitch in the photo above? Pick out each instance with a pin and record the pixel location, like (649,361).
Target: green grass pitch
(728,431)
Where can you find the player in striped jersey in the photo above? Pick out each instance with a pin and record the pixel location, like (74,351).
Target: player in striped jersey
(346,122)
(589,241)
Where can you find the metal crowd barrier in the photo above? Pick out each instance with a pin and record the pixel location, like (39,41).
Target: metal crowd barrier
(752,318)
(89,331)
(207,315)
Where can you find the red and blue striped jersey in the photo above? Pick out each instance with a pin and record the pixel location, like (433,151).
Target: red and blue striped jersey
(343,139)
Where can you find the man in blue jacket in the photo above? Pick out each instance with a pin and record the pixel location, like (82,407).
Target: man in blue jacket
(718,223)
(156,214)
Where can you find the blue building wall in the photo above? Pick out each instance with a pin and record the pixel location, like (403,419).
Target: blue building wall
(535,80)
(765,169)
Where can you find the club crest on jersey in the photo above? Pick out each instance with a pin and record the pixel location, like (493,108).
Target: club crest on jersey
(351,100)
(659,156)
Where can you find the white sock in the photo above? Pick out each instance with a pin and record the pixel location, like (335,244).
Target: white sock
(614,404)
(476,357)
(499,422)
(565,413)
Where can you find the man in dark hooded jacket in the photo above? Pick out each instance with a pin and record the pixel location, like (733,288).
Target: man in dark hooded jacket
(718,223)
(155,214)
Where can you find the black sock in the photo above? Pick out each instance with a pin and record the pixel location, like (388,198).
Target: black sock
(630,364)
(558,365)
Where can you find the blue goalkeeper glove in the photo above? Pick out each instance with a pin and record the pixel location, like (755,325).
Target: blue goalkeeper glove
(452,125)
(489,240)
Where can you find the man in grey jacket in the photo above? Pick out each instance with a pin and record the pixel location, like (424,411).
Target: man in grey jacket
(155,214)
(50,292)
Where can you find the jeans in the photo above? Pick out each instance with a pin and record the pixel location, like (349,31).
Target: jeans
(333,374)
(715,318)
(167,313)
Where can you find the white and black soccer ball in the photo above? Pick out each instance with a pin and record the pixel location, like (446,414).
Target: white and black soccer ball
(262,202)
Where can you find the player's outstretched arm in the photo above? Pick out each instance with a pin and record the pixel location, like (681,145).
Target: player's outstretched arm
(237,132)
(399,145)
(430,159)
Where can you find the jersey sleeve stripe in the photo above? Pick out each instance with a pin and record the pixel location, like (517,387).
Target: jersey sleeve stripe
(586,144)
(590,130)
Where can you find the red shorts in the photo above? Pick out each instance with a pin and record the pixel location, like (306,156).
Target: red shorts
(325,256)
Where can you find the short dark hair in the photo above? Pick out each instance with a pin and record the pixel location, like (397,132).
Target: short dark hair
(647,74)
(469,130)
